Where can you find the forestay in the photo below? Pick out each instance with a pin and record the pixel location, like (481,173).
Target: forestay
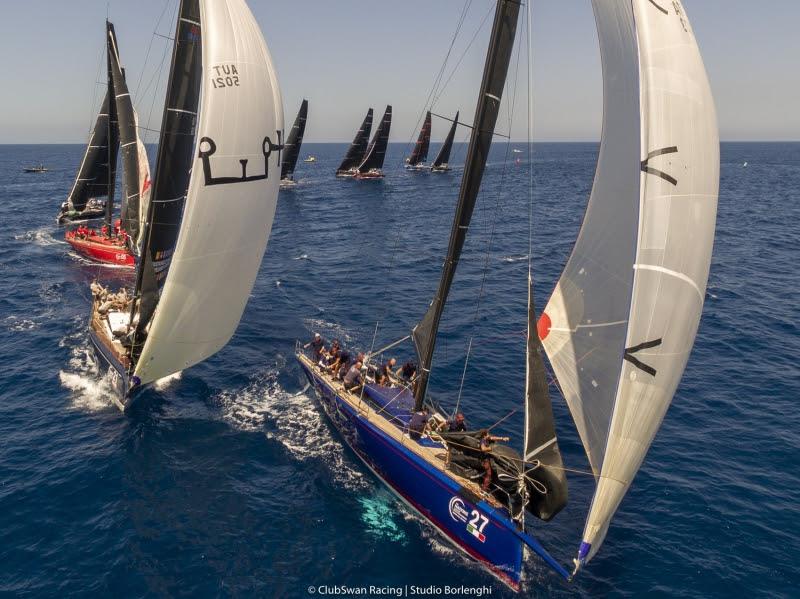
(231,197)
(622,321)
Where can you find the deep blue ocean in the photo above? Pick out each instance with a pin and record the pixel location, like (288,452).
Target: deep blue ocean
(227,480)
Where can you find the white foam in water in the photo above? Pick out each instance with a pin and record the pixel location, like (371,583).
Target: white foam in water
(18,325)
(514,258)
(302,257)
(379,515)
(165,382)
(329,330)
(293,420)
(42,237)
(91,391)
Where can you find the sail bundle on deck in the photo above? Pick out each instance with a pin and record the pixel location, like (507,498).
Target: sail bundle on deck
(215,187)
(622,320)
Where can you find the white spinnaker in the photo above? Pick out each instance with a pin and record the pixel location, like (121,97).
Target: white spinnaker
(677,217)
(145,186)
(225,226)
(584,322)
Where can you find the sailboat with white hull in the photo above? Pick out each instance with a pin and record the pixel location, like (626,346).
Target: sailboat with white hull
(372,165)
(213,201)
(440,163)
(358,147)
(291,151)
(618,328)
(416,162)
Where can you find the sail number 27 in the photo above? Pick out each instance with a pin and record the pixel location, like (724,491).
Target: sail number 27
(227,75)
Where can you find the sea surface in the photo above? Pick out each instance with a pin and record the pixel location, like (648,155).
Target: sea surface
(226,480)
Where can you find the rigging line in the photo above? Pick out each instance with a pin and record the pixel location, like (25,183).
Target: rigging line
(498,209)
(159,72)
(438,77)
(149,47)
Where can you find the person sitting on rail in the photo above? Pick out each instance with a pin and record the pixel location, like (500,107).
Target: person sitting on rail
(353,380)
(316,345)
(384,373)
(342,361)
(418,424)
(458,424)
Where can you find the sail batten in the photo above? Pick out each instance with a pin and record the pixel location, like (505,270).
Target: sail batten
(488,106)
(355,153)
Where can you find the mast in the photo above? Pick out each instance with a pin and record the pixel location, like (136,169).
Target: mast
(173,166)
(498,57)
(291,150)
(356,150)
(420,153)
(113,133)
(376,152)
(444,152)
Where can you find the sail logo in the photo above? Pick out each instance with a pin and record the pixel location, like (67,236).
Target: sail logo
(207,148)
(458,510)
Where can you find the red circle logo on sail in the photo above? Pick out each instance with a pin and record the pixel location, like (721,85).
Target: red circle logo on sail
(543,325)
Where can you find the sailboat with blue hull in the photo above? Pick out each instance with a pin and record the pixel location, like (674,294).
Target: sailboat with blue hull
(617,329)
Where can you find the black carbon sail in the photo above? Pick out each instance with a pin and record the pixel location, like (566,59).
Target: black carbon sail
(174,162)
(443,157)
(291,149)
(376,151)
(420,153)
(113,135)
(355,153)
(128,140)
(491,92)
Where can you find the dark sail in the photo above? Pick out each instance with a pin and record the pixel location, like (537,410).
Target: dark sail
(291,149)
(126,122)
(376,151)
(420,153)
(541,444)
(491,91)
(113,134)
(174,162)
(355,153)
(443,157)
(93,176)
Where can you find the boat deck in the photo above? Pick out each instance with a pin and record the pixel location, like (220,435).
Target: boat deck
(100,325)
(426,448)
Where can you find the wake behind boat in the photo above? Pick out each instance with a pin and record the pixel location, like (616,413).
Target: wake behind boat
(618,328)
(208,223)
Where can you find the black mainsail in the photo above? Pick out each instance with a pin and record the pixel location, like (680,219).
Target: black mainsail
(491,92)
(128,140)
(291,149)
(174,162)
(443,157)
(420,153)
(355,153)
(113,130)
(376,152)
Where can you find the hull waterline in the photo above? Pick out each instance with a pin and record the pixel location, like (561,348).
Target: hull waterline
(100,249)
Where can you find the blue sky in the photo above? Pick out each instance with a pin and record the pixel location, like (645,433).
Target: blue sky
(347,55)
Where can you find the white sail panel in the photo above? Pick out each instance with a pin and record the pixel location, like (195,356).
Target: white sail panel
(679,187)
(230,203)
(583,324)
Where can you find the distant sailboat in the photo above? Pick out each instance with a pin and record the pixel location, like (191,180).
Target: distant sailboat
(420,154)
(310,158)
(618,328)
(119,242)
(291,150)
(211,212)
(372,165)
(36,169)
(439,165)
(97,173)
(355,153)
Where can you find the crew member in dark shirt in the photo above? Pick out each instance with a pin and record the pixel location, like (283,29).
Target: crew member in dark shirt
(316,345)
(407,371)
(353,380)
(458,424)
(418,423)
(384,372)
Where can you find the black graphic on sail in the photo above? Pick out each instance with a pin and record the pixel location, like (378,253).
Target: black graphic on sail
(208,147)
(443,157)
(128,138)
(376,151)
(291,149)
(420,153)
(174,162)
(355,153)
(491,91)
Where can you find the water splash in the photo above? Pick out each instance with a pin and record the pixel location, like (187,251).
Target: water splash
(91,390)
(42,237)
(378,516)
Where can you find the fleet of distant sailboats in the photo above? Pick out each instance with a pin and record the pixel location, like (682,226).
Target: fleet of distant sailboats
(617,329)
